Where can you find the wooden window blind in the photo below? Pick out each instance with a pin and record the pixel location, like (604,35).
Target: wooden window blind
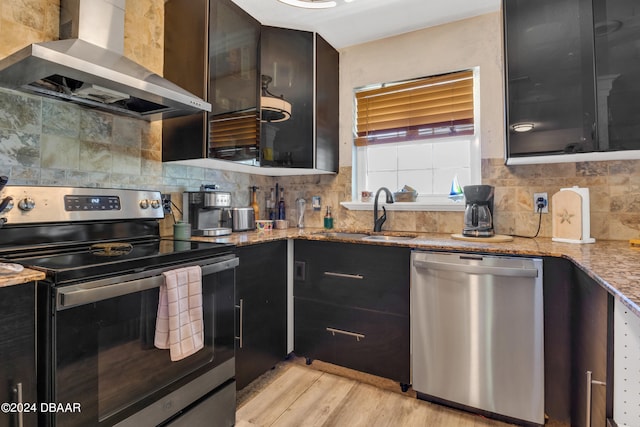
(230,132)
(430,107)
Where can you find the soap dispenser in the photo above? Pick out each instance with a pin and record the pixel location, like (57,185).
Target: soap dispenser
(328,219)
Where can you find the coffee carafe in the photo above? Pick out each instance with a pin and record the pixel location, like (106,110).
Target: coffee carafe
(478,212)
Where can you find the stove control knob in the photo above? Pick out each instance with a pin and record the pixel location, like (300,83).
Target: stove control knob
(26,204)
(6,205)
(144,203)
(155,204)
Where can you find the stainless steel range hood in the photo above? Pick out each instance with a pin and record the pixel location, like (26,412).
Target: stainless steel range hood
(87,67)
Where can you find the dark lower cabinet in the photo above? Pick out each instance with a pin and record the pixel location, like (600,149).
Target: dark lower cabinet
(17,353)
(366,341)
(578,338)
(591,351)
(351,306)
(261,302)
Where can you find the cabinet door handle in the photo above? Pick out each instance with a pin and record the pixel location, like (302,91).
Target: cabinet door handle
(334,331)
(590,383)
(241,308)
(18,391)
(344,275)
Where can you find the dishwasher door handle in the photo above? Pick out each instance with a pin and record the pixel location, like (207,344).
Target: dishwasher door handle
(476,269)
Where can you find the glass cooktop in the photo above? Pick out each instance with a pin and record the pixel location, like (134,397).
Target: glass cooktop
(117,258)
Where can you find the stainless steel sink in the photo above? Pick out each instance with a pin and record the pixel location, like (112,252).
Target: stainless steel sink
(343,235)
(363,236)
(386,238)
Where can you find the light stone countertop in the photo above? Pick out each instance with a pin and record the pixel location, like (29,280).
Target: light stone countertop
(614,264)
(25,276)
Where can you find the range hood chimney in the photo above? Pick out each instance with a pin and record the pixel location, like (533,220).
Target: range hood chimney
(87,66)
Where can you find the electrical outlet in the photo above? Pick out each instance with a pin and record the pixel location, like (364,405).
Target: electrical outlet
(540,202)
(166,203)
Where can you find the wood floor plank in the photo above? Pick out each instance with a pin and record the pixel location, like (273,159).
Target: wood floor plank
(411,412)
(371,409)
(303,396)
(315,406)
(278,396)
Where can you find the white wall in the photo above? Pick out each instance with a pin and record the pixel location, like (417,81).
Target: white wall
(449,47)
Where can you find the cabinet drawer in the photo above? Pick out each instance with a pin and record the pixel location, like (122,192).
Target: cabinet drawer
(372,342)
(362,276)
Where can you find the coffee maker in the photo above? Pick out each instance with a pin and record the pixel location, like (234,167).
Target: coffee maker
(478,212)
(208,211)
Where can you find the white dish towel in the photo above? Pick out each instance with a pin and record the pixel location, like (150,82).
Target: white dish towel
(179,323)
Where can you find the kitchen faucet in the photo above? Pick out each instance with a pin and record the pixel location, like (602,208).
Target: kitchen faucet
(377,222)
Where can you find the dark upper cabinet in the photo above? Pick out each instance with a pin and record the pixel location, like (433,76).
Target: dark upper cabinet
(287,57)
(327,105)
(211,49)
(617,65)
(549,71)
(570,78)
(234,126)
(186,64)
(237,53)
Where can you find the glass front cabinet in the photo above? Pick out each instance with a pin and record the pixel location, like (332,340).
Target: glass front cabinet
(251,67)
(571,76)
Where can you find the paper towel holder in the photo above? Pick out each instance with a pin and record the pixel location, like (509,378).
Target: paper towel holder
(571,216)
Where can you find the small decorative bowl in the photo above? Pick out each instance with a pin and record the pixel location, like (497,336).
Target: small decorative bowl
(405,196)
(264,224)
(281,224)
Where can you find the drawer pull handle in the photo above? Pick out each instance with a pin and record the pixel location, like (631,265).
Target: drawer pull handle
(334,331)
(18,391)
(590,383)
(344,275)
(241,308)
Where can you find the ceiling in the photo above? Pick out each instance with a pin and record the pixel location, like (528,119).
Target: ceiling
(361,21)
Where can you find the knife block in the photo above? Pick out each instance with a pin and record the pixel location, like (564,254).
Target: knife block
(571,222)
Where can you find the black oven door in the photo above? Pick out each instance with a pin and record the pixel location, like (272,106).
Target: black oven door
(106,367)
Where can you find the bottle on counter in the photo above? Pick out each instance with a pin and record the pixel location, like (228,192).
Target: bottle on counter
(328,219)
(301,206)
(254,201)
(271,205)
(281,207)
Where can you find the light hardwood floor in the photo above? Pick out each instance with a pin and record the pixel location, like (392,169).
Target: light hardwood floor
(294,394)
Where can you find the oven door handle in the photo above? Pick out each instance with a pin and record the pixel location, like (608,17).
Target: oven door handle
(83,294)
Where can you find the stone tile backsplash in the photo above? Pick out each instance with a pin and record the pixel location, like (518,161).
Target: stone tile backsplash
(614,192)
(47,142)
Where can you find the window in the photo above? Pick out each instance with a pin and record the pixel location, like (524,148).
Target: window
(420,133)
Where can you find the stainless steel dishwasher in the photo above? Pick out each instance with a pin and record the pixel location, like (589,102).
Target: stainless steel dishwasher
(477,333)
